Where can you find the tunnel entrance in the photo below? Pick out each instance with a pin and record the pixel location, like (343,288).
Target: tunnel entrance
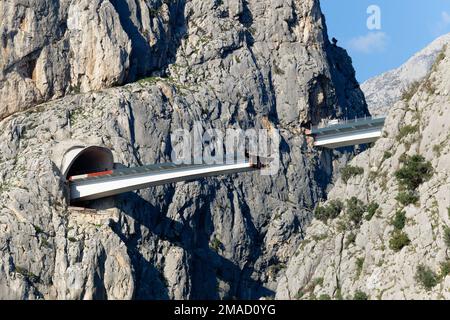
(85,160)
(80,160)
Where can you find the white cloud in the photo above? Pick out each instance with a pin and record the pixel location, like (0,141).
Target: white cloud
(370,43)
(442,25)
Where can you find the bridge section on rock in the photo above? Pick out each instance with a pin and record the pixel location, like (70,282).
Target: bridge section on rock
(344,133)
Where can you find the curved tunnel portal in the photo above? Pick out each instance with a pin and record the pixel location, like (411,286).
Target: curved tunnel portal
(85,160)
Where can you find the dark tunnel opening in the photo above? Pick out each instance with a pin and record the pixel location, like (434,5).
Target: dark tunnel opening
(91,160)
(85,160)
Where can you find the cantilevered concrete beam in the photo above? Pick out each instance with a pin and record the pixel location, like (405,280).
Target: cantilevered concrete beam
(110,183)
(348,139)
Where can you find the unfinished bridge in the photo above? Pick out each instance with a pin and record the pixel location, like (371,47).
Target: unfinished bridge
(91,175)
(343,133)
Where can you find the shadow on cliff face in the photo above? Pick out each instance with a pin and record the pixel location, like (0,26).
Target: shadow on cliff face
(149,281)
(205,265)
(349,96)
(246,18)
(146,58)
(100,290)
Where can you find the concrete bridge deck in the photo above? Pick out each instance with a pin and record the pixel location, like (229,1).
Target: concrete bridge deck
(343,133)
(113,182)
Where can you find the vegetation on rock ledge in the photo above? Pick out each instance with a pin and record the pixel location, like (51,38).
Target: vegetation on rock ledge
(331,211)
(351,171)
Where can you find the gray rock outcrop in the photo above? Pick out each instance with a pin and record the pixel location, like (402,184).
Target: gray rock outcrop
(51,48)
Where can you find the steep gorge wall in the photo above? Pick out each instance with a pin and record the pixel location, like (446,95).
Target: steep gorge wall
(228,64)
(400,250)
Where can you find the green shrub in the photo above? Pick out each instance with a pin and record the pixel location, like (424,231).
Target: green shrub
(317,282)
(373,175)
(321,213)
(342,225)
(403,158)
(215,244)
(426,277)
(331,211)
(350,171)
(445,269)
(407,197)
(319,237)
(27,274)
(309,289)
(406,131)
(300,293)
(338,295)
(355,210)
(149,80)
(398,240)
(371,210)
(351,238)
(278,70)
(399,220)
(447,236)
(437,149)
(359,266)
(274,268)
(324,297)
(411,91)
(38,229)
(415,171)
(439,58)
(335,207)
(45,243)
(387,155)
(360,295)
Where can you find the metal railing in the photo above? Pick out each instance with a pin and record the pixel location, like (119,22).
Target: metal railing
(325,123)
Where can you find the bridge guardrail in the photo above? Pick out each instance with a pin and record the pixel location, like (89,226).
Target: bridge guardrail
(346,121)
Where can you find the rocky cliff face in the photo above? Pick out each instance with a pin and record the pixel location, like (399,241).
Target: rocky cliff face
(228,64)
(388,235)
(383,91)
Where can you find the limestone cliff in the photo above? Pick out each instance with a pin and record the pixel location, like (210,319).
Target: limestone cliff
(384,233)
(232,63)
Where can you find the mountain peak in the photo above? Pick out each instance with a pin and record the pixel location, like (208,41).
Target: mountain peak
(383,91)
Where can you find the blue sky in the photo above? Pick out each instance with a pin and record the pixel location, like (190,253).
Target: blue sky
(407,26)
